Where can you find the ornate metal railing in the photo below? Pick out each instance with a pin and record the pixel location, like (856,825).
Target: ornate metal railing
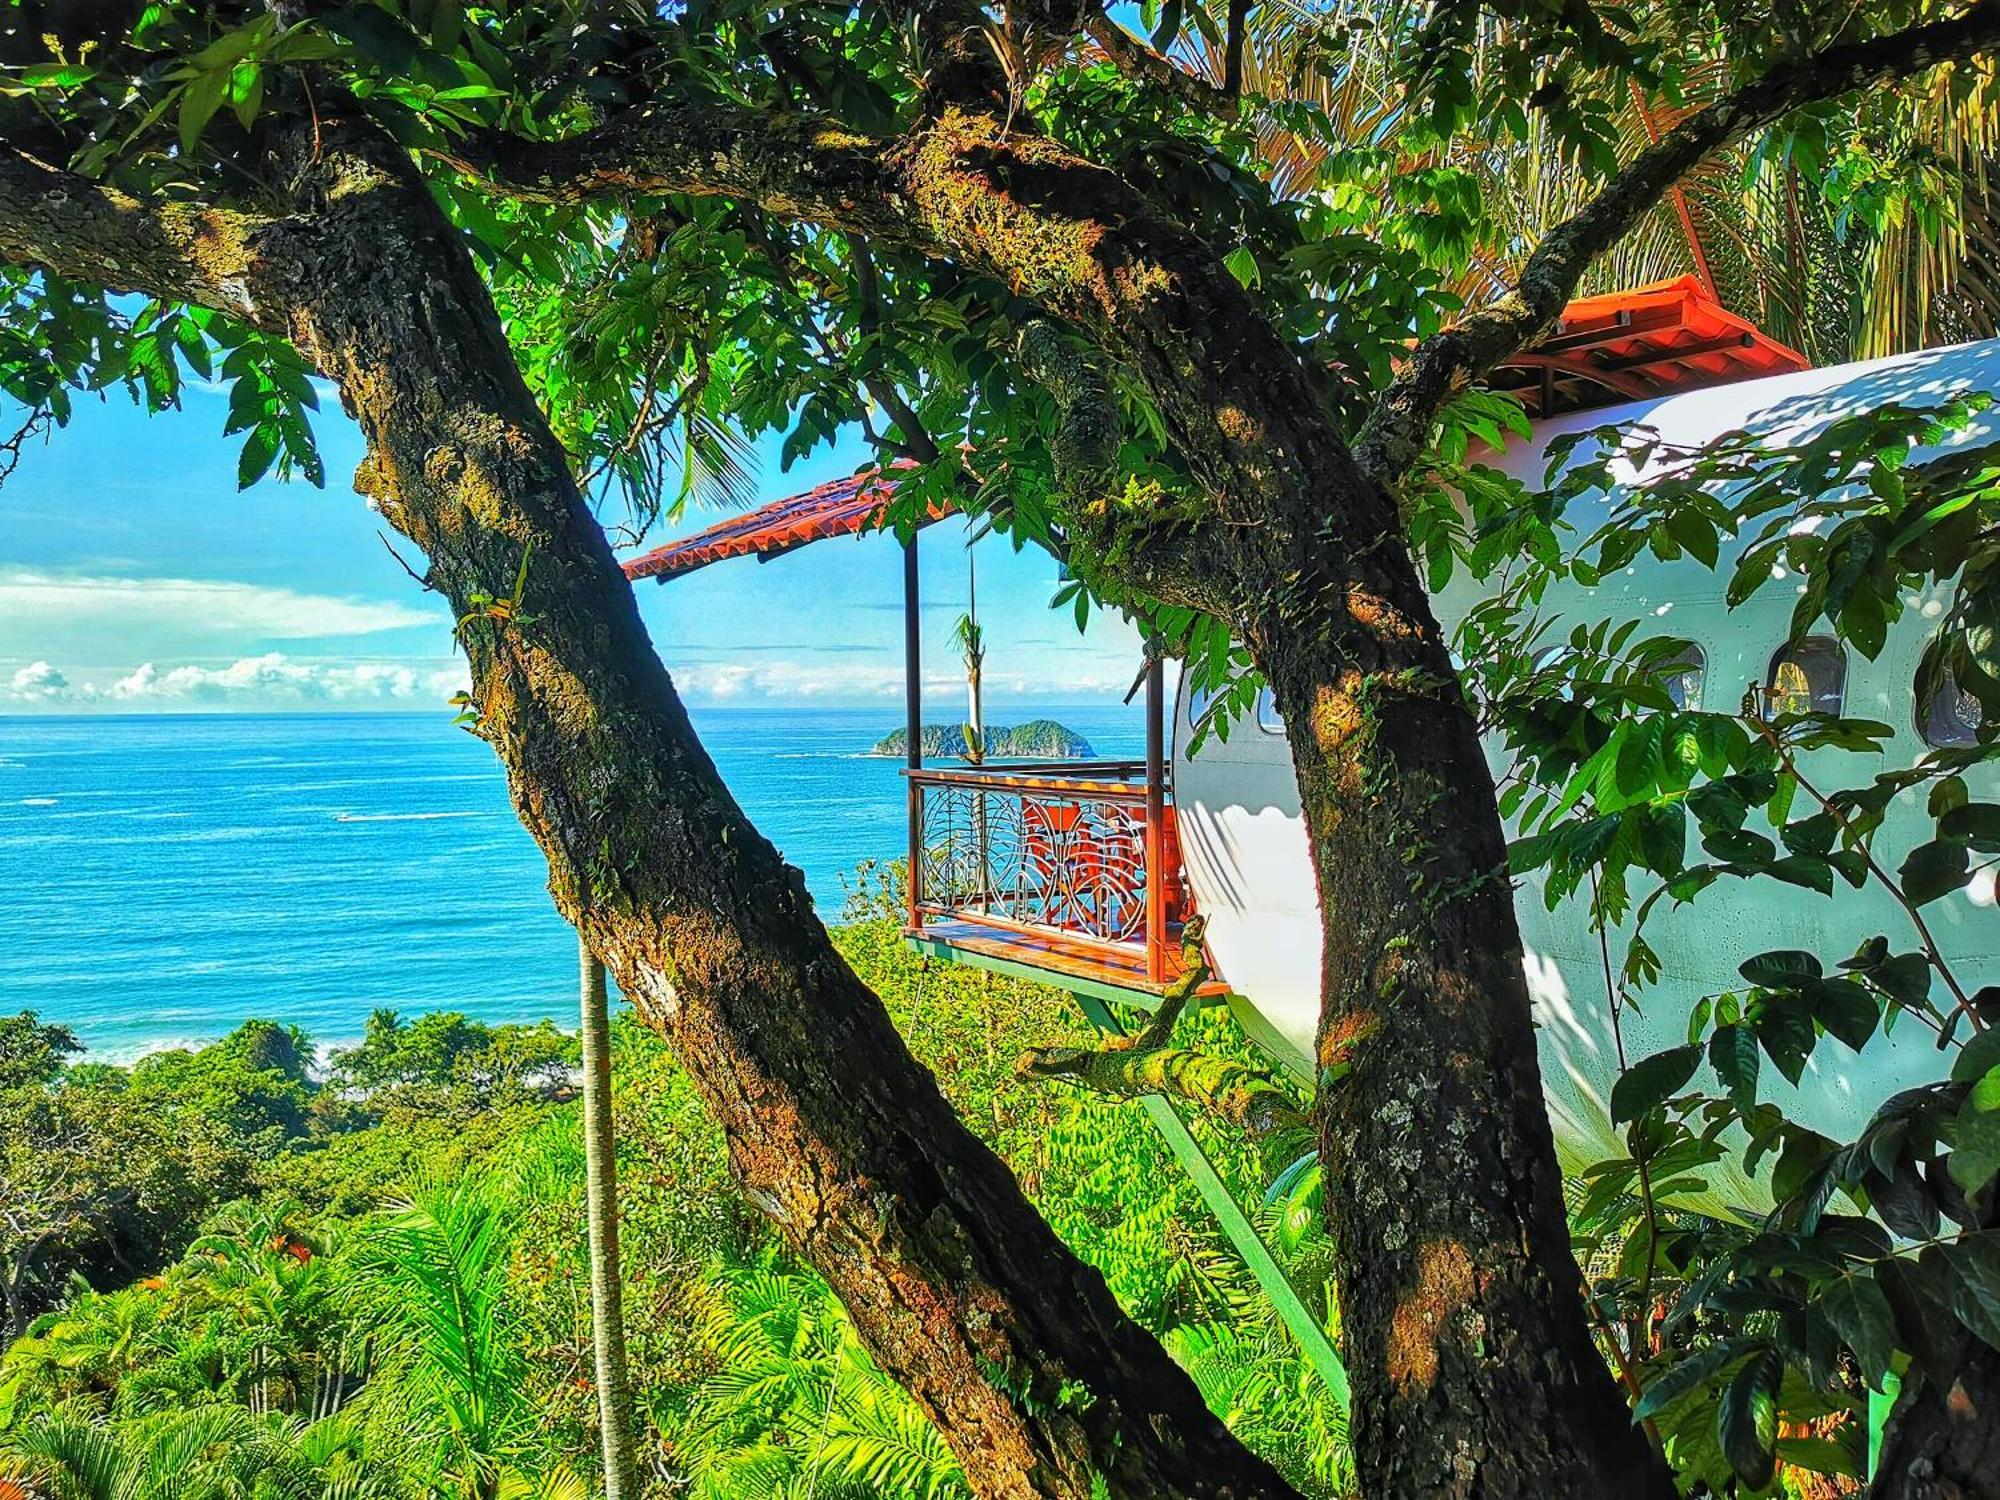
(1077,851)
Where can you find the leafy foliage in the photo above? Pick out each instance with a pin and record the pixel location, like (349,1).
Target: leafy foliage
(1385,167)
(1634,798)
(420,1327)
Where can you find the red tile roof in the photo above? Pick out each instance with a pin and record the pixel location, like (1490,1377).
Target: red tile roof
(843,507)
(1634,345)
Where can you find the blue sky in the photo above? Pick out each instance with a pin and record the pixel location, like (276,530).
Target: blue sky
(135,578)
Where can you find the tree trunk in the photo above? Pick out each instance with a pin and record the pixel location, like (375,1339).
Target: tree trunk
(1474,1374)
(607,1283)
(1463,1322)
(1943,1441)
(12,1305)
(960,1290)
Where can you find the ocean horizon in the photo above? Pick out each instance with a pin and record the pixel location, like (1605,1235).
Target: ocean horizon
(168,877)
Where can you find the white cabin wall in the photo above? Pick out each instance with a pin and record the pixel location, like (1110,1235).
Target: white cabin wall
(1251,872)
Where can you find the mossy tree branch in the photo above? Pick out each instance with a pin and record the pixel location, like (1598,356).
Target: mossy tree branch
(1142,1062)
(182,250)
(1234,1091)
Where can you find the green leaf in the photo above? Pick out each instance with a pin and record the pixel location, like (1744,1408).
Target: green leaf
(1684,1377)
(1860,1313)
(384,40)
(199,101)
(1949,794)
(1845,1009)
(1781,969)
(1977,1057)
(1821,1455)
(1746,1419)
(1805,870)
(258,450)
(1813,835)
(246,92)
(303,44)
(1785,1027)
(1975,823)
(1696,533)
(1971,1270)
(1651,1081)
(1732,1052)
(1934,869)
(226,49)
(1242,265)
(54,75)
(1975,1155)
(1778,811)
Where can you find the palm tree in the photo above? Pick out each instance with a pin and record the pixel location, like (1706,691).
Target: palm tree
(217,1451)
(1814,262)
(794,1407)
(971,641)
(607,1293)
(433,1288)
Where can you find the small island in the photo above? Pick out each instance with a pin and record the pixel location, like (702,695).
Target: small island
(1038,739)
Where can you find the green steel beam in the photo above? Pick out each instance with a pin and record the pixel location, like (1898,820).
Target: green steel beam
(1300,1319)
(1880,1404)
(1095,989)
(1092,996)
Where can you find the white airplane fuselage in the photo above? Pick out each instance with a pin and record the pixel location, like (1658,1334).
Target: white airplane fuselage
(1248,867)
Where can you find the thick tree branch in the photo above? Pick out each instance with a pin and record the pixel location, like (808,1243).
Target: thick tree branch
(1232,1090)
(1446,363)
(180,251)
(1064,233)
(1142,1063)
(798,166)
(1135,59)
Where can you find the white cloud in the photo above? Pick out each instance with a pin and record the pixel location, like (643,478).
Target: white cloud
(38,682)
(275,678)
(34,605)
(784,681)
(753,682)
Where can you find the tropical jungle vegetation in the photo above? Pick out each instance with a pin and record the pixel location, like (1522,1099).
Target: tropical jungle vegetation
(397,1305)
(1205,313)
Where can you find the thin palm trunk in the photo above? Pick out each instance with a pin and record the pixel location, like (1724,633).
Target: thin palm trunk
(607,1291)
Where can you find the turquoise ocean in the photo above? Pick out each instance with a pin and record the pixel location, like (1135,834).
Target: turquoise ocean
(163,879)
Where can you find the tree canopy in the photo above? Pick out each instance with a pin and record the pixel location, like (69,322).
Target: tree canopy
(1210,332)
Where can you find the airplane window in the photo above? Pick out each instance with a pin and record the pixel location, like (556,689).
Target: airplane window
(1807,677)
(1681,675)
(1950,718)
(1268,718)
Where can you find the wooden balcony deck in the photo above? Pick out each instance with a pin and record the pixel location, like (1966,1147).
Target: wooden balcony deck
(1055,958)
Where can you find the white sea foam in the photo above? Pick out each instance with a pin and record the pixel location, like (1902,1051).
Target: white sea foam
(38,802)
(125,1054)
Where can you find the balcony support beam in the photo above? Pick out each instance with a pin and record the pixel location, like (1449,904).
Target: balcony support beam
(1156,816)
(913,718)
(1303,1323)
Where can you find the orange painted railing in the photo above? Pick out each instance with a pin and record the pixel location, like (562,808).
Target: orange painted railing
(1081,853)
